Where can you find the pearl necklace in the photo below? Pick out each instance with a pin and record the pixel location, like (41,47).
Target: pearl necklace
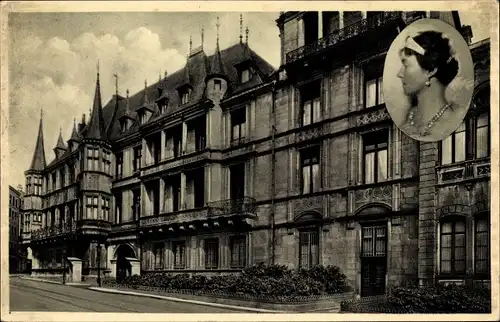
(411,116)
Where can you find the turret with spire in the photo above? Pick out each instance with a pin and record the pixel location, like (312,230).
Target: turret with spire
(60,147)
(95,128)
(38,161)
(216,79)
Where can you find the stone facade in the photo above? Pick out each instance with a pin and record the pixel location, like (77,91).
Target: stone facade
(272,168)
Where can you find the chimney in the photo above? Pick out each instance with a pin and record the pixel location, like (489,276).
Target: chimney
(82,125)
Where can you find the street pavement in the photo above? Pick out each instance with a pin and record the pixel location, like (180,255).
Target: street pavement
(28,295)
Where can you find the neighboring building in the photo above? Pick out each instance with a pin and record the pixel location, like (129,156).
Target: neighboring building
(15,207)
(227,163)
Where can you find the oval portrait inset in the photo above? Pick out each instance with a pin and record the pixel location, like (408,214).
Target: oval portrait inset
(428,80)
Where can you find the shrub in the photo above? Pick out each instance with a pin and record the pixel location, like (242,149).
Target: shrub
(109,281)
(330,276)
(262,270)
(441,299)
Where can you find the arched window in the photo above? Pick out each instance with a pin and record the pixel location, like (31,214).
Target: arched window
(452,246)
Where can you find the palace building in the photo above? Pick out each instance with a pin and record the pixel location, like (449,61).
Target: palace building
(228,163)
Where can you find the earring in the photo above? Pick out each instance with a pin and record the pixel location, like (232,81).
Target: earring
(428,83)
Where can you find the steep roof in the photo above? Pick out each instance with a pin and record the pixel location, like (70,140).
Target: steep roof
(96,127)
(60,142)
(74,133)
(38,162)
(199,67)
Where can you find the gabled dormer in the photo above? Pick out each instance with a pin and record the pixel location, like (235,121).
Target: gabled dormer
(126,119)
(163,99)
(74,139)
(146,109)
(185,88)
(60,146)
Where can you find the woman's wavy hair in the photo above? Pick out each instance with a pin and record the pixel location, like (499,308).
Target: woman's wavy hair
(437,56)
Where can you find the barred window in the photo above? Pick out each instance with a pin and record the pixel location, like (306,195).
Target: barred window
(159,252)
(308,248)
(211,253)
(238,251)
(179,250)
(453,246)
(482,246)
(374,241)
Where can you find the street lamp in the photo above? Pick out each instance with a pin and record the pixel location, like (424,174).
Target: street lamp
(99,264)
(64,264)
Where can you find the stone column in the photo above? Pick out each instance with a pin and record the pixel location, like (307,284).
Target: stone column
(183,190)
(300,27)
(426,226)
(161,194)
(208,129)
(184,137)
(163,145)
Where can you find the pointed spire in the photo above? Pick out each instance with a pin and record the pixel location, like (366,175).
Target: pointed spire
(190,45)
(246,36)
(127,105)
(216,65)
(95,129)
(202,37)
(74,133)
(60,142)
(241,28)
(116,83)
(38,162)
(145,99)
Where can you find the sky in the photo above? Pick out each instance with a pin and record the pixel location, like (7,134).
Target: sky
(53,58)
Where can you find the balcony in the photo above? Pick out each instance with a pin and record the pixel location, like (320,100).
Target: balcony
(94,227)
(464,171)
(366,26)
(174,163)
(217,213)
(61,196)
(125,227)
(53,232)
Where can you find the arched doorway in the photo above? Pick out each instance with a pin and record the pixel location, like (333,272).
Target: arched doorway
(123,266)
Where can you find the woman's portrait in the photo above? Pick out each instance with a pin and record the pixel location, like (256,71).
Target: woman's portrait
(428,80)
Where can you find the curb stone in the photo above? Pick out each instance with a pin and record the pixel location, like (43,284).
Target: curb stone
(174,299)
(52,282)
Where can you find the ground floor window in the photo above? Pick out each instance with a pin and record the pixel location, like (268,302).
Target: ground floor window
(238,246)
(179,251)
(159,251)
(211,253)
(309,248)
(452,246)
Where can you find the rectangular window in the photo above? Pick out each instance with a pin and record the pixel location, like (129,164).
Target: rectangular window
(309,159)
(159,251)
(119,165)
(185,96)
(105,209)
(453,147)
(54,181)
(374,241)
(106,159)
(118,207)
(93,159)
(374,94)
(238,120)
(375,147)
(245,75)
(136,203)
(452,247)
(92,205)
(482,246)
(179,250)
(238,246)
(71,174)
(211,253)
(217,85)
(137,158)
(310,95)
(308,248)
(482,136)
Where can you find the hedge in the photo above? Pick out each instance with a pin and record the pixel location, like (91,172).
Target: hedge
(258,280)
(433,299)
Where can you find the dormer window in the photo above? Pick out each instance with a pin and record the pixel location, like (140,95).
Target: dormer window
(143,117)
(245,75)
(185,96)
(162,106)
(123,125)
(217,85)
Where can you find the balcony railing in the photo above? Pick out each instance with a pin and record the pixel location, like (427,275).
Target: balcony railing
(340,35)
(53,231)
(471,169)
(231,206)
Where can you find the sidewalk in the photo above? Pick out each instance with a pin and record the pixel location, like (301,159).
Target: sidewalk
(53,282)
(185,299)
